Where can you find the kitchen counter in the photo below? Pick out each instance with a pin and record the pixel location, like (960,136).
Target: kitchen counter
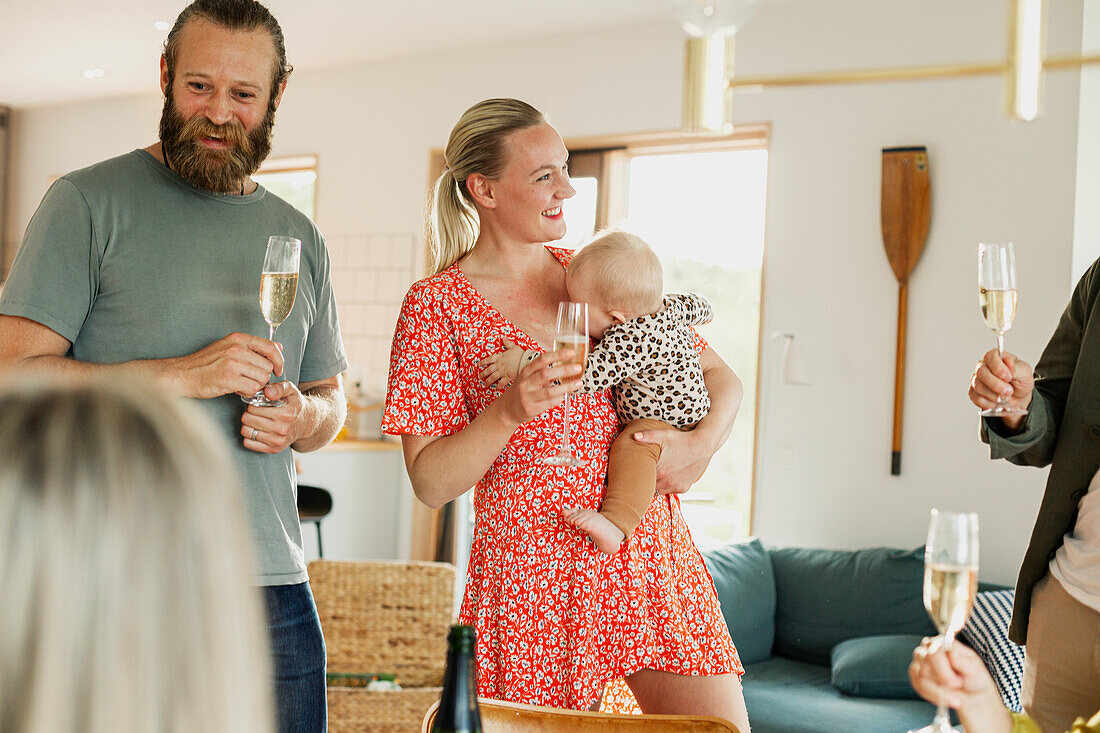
(372,500)
(353,444)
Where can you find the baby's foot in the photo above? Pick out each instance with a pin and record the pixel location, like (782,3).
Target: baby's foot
(606,536)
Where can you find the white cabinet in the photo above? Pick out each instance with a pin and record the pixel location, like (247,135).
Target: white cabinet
(371,500)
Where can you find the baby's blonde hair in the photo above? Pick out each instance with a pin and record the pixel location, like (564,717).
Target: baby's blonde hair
(623,269)
(126,567)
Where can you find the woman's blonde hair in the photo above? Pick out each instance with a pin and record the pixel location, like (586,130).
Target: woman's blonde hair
(623,270)
(476,145)
(125,567)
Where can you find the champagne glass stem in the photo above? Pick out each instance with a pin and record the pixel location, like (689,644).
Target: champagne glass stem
(941,723)
(271,328)
(1002,401)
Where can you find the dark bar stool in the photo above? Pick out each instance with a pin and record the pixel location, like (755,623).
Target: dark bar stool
(314,504)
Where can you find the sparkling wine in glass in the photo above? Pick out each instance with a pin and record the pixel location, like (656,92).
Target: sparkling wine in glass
(950,584)
(997,296)
(571,333)
(278,288)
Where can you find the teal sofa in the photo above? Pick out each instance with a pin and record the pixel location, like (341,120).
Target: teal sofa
(825,635)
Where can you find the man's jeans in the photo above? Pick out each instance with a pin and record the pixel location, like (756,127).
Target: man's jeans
(298,654)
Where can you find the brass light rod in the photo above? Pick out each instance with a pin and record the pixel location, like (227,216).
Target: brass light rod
(900,74)
(708,89)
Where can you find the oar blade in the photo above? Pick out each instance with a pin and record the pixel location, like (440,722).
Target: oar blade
(906,207)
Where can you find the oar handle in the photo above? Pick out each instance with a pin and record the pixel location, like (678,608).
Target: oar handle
(899,379)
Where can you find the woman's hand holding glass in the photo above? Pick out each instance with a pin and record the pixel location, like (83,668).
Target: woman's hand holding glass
(958,677)
(950,585)
(540,386)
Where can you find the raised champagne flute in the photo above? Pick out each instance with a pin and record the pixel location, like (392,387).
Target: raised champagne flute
(278,288)
(950,584)
(571,333)
(997,296)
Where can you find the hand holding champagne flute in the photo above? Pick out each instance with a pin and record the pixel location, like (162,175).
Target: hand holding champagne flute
(278,289)
(571,333)
(950,584)
(997,296)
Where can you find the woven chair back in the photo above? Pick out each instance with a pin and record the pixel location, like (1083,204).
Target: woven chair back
(385,617)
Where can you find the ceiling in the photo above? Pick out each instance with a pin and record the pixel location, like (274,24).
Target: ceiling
(45,45)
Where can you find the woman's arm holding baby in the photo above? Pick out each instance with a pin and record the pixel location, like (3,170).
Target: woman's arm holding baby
(685,455)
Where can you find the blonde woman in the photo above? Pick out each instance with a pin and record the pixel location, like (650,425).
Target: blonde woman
(556,620)
(125,568)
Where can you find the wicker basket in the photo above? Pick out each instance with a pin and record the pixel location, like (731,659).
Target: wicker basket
(355,710)
(384,617)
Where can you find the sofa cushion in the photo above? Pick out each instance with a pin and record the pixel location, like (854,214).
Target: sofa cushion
(986,631)
(745,583)
(875,666)
(785,696)
(824,597)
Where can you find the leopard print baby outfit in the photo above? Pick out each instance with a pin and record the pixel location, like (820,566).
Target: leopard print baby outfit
(652,362)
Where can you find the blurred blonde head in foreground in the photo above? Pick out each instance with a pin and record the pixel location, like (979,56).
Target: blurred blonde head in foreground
(125,567)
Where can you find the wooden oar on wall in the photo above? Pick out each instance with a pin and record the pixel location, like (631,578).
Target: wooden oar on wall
(906,212)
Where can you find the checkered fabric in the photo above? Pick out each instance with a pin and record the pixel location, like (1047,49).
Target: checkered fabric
(986,632)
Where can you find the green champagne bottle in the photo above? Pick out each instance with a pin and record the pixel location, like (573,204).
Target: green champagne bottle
(458,711)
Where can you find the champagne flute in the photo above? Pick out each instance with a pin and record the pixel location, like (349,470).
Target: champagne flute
(571,333)
(950,584)
(997,295)
(278,288)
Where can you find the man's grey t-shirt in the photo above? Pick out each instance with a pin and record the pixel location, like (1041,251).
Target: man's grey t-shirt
(128,261)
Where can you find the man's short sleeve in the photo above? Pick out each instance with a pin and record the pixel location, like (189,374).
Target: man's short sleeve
(55,275)
(324,354)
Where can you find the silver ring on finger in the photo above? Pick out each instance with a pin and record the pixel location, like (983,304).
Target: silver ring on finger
(255,432)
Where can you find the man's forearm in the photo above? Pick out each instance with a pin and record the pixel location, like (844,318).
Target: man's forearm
(325,411)
(155,369)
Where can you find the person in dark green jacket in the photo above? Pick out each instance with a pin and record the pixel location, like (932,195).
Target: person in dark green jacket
(1057,604)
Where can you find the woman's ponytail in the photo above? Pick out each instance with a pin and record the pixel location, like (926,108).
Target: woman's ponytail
(476,145)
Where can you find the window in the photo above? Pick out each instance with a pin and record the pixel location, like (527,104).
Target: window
(292,179)
(704,215)
(700,204)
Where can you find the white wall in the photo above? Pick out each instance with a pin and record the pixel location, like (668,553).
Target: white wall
(1086,228)
(823,471)
(829,282)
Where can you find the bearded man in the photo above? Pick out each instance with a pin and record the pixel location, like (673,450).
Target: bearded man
(149,264)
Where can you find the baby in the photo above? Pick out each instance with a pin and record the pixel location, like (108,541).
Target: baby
(646,353)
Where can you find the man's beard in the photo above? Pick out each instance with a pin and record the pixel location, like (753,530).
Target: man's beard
(220,171)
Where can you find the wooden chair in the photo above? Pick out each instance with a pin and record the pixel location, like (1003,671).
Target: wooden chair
(498,716)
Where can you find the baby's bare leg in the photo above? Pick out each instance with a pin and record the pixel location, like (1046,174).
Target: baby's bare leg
(631,482)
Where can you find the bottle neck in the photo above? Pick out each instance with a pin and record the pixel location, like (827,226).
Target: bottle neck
(458,711)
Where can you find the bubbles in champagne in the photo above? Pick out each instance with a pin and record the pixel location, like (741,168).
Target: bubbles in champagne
(579,345)
(998,308)
(949,592)
(277,292)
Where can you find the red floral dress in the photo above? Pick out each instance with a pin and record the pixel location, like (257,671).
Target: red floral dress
(556,619)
